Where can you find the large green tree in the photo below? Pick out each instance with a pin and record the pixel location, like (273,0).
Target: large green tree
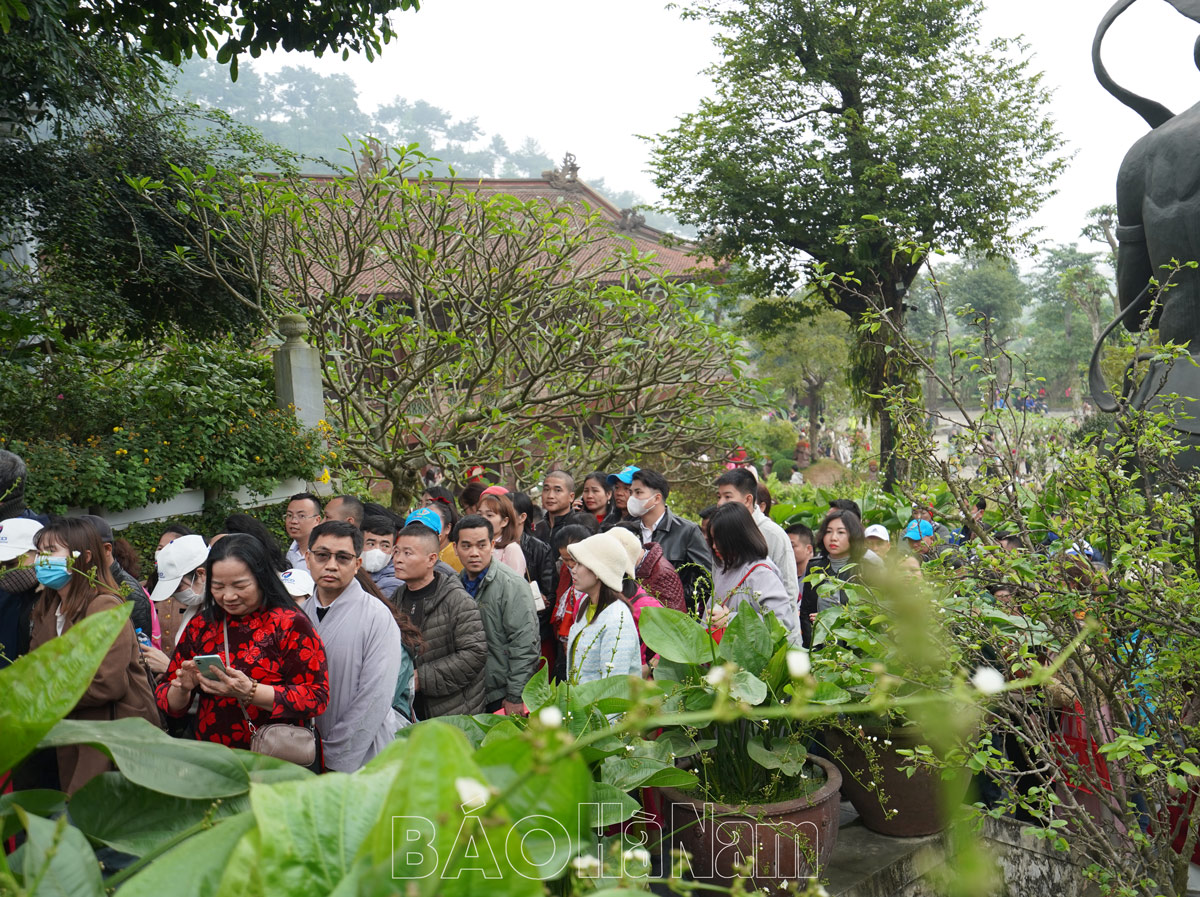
(55,54)
(888,117)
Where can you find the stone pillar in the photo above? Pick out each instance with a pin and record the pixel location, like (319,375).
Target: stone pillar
(298,372)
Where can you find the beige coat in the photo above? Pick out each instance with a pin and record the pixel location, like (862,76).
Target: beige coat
(118,690)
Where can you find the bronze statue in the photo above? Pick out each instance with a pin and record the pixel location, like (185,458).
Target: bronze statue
(1158,218)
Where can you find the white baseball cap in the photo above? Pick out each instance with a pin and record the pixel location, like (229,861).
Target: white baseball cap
(877,531)
(16,537)
(299,583)
(175,561)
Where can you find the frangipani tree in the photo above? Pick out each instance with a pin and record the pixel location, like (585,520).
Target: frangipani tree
(460,326)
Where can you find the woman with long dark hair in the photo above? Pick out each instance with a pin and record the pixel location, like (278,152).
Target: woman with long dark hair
(842,543)
(596,497)
(76,583)
(274,662)
(498,511)
(603,640)
(742,572)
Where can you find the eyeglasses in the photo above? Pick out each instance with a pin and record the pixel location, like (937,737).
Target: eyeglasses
(343,558)
(290,515)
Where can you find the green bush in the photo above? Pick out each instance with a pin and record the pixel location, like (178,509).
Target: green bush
(105,427)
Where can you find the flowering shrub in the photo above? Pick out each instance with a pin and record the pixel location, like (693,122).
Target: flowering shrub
(107,428)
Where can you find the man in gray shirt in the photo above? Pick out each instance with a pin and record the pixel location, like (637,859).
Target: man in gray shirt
(362,649)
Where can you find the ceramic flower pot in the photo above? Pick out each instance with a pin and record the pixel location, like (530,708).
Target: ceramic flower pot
(785,841)
(900,805)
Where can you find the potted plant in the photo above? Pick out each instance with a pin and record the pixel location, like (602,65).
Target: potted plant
(762,805)
(900,755)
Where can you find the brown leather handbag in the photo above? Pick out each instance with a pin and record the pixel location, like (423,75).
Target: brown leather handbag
(296,744)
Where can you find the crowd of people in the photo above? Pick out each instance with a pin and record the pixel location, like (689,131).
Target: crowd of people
(369,621)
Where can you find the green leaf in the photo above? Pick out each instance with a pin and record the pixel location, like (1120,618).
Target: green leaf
(549,806)
(135,820)
(149,757)
(747,640)
(195,867)
(42,687)
(39,802)
(745,686)
(645,764)
(789,758)
(614,806)
(539,691)
(316,827)
(610,694)
(675,636)
(424,795)
(829,693)
(58,859)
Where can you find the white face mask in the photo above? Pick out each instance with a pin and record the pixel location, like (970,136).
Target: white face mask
(375,559)
(188,596)
(637,507)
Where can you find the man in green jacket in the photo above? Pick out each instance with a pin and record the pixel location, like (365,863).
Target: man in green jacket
(509,618)
(450,669)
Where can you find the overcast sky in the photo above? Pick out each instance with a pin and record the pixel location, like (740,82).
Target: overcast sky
(588,78)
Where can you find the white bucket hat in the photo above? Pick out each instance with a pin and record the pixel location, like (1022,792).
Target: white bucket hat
(633,547)
(16,537)
(175,561)
(605,556)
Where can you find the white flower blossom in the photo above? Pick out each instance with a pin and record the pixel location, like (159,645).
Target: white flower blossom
(798,664)
(74,554)
(716,676)
(550,717)
(638,855)
(586,866)
(988,680)
(472,792)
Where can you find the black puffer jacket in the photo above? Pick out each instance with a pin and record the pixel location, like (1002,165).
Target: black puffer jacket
(450,671)
(540,558)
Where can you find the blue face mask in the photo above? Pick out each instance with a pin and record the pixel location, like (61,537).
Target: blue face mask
(53,573)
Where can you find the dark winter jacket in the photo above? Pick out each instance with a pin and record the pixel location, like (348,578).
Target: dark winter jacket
(18,594)
(450,671)
(511,627)
(659,579)
(540,561)
(809,595)
(684,548)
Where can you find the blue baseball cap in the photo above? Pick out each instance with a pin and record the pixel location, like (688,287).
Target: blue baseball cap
(426,517)
(625,476)
(918,530)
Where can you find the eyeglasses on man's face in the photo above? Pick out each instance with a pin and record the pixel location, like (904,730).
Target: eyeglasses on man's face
(343,558)
(292,515)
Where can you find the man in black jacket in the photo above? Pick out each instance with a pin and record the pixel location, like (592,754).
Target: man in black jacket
(682,542)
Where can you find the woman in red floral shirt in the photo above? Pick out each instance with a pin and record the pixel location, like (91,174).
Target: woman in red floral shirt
(276,670)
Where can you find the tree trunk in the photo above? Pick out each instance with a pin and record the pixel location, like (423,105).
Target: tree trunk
(890,467)
(814,416)
(405,485)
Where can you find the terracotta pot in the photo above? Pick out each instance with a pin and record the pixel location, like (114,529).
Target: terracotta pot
(788,841)
(917,800)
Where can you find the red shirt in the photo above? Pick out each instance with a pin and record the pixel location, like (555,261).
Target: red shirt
(276,647)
